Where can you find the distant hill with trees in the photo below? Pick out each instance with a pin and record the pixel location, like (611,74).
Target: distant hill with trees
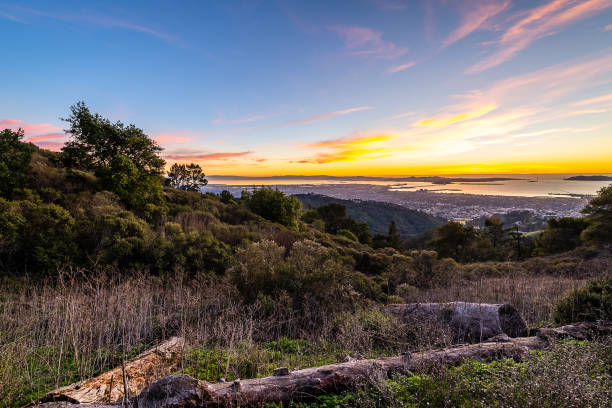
(378,215)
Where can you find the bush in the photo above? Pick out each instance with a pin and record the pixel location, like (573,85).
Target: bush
(561,234)
(590,302)
(274,205)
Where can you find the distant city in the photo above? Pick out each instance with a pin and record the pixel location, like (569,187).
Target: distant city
(456,206)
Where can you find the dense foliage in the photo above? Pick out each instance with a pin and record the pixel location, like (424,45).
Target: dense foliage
(590,302)
(188,177)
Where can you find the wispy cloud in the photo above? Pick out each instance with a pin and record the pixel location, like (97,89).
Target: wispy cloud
(402,67)
(11,17)
(364,41)
(328,115)
(537,23)
(196,156)
(449,119)
(475,13)
(47,136)
(608,27)
(597,99)
(245,119)
(172,138)
(36,133)
(92,18)
(352,148)
(391,5)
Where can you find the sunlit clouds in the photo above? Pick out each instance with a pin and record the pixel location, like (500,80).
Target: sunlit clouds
(350,149)
(380,87)
(474,15)
(537,23)
(367,42)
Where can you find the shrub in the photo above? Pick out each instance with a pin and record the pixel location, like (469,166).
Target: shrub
(274,205)
(590,302)
(348,234)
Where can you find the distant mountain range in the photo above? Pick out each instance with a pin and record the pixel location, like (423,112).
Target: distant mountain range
(417,179)
(590,178)
(378,215)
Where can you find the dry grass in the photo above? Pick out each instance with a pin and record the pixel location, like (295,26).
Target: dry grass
(54,334)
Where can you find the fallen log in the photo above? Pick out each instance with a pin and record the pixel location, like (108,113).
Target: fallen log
(470,322)
(184,391)
(140,371)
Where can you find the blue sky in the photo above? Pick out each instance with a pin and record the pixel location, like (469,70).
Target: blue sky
(345,87)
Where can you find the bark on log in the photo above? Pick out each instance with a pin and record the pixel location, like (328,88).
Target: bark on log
(140,371)
(317,380)
(471,322)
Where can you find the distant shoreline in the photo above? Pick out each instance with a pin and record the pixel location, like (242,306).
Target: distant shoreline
(418,179)
(589,178)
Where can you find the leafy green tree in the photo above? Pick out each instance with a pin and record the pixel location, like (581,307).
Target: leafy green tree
(273,205)
(334,215)
(226,197)
(395,241)
(15,157)
(453,240)
(124,158)
(495,231)
(188,177)
(561,234)
(598,213)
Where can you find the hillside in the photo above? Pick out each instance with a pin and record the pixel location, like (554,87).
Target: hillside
(378,215)
(103,254)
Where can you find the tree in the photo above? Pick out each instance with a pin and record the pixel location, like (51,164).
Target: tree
(395,240)
(274,205)
(598,213)
(334,215)
(495,231)
(561,234)
(453,240)
(226,197)
(188,177)
(124,158)
(15,157)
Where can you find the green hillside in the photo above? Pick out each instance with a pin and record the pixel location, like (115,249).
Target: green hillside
(378,215)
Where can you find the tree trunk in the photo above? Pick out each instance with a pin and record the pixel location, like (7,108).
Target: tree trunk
(470,322)
(140,371)
(184,391)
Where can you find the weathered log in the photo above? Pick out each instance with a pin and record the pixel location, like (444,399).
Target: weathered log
(140,371)
(470,322)
(308,382)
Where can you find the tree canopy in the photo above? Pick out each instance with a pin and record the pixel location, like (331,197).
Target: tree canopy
(124,158)
(188,177)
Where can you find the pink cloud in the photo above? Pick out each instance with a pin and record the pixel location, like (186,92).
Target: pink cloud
(474,14)
(53,146)
(183,156)
(328,115)
(363,41)
(28,128)
(402,67)
(8,123)
(171,138)
(537,23)
(45,137)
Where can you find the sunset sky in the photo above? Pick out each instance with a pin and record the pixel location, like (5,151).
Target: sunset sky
(360,87)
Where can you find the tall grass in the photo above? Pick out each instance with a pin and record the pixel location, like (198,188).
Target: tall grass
(52,334)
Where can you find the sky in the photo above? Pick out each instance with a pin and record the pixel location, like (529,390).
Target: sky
(359,87)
